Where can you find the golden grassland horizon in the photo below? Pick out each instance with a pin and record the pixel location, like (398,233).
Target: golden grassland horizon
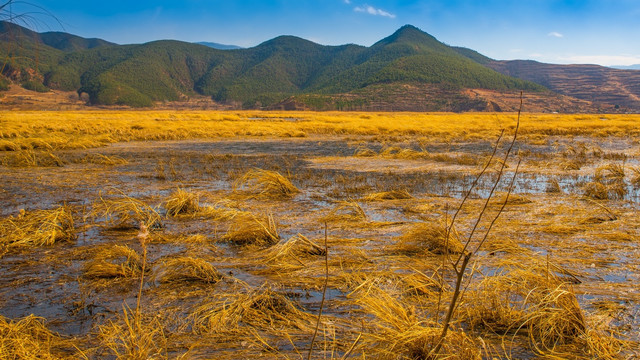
(52,130)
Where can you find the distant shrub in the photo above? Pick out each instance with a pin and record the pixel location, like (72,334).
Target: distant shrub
(35,86)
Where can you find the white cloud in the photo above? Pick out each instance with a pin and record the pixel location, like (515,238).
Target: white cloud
(373,11)
(348,2)
(555,34)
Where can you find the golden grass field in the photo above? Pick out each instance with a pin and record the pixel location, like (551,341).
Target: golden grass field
(202,234)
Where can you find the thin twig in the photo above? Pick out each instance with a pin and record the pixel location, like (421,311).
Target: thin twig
(465,256)
(324,290)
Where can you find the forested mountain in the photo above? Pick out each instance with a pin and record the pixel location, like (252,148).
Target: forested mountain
(284,70)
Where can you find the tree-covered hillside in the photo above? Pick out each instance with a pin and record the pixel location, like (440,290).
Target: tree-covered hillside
(139,75)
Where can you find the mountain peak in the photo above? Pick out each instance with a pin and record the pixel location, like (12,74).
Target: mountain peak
(410,34)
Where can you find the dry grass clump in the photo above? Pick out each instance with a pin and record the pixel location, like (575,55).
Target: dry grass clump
(611,171)
(248,229)
(119,261)
(263,308)
(513,199)
(38,228)
(422,237)
(30,158)
(188,269)
(399,332)
(419,284)
(129,336)
(537,302)
(388,195)
(101,159)
(605,191)
(608,183)
(182,202)
(296,248)
(395,152)
(28,338)
(364,152)
(127,212)
(553,186)
(348,211)
(265,183)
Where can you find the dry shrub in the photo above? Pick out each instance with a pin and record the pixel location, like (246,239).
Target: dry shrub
(388,195)
(127,212)
(422,237)
(28,338)
(400,332)
(345,211)
(250,230)
(188,269)
(131,337)
(263,308)
(119,261)
(38,228)
(265,183)
(297,247)
(182,202)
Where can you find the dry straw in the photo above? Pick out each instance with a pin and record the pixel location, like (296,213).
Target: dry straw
(263,308)
(29,338)
(182,202)
(265,183)
(428,237)
(388,195)
(248,229)
(296,248)
(126,212)
(129,337)
(345,211)
(400,332)
(38,228)
(118,261)
(188,269)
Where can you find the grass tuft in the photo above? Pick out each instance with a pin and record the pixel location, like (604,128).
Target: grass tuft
(127,212)
(248,229)
(422,237)
(388,195)
(38,228)
(129,337)
(182,202)
(119,261)
(265,183)
(28,338)
(263,308)
(188,269)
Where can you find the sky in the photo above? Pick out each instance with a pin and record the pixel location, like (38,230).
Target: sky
(605,32)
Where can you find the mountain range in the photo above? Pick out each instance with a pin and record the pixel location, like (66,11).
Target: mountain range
(409,70)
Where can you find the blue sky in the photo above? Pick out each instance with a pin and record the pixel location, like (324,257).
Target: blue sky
(604,32)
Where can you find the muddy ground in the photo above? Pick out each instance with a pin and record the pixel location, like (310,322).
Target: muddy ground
(552,221)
